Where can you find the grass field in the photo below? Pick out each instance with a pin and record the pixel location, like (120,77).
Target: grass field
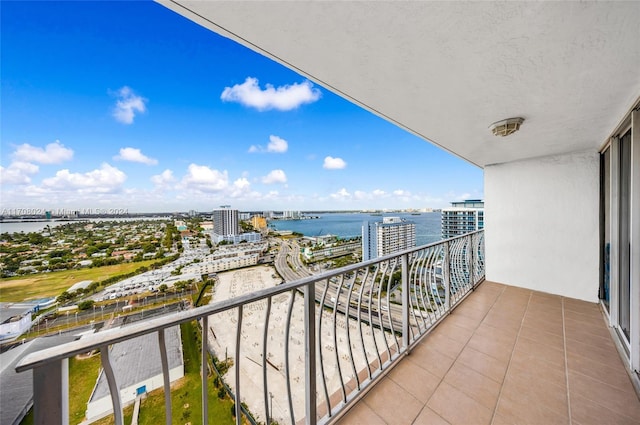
(83,374)
(186,399)
(43,285)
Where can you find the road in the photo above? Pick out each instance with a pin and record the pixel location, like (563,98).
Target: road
(290,267)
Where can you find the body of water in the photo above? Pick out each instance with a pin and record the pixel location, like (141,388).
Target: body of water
(39,226)
(349,225)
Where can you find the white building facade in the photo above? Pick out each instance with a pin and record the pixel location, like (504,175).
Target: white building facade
(462,217)
(393,234)
(225,221)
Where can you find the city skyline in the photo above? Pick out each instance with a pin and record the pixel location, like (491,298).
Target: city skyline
(127,105)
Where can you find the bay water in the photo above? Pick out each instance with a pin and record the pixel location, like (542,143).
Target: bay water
(349,225)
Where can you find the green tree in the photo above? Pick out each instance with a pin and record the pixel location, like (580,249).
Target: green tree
(85,305)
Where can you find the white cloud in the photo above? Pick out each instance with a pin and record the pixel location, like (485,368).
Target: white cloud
(341,194)
(17,172)
(163,179)
(276,145)
(53,153)
(331,163)
(106,179)
(205,179)
(127,105)
(240,187)
(275,176)
(379,193)
(134,155)
(283,98)
(360,195)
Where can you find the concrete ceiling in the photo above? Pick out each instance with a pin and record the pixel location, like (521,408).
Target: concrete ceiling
(447,70)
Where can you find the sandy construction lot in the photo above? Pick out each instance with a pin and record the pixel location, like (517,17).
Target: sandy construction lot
(337,363)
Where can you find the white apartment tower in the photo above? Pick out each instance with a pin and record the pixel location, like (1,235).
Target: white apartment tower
(391,235)
(225,221)
(462,217)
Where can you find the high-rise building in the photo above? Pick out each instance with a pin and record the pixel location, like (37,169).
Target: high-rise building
(259,223)
(225,221)
(391,235)
(462,217)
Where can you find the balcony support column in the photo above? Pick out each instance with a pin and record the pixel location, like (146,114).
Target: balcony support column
(51,393)
(405,303)
(310,353)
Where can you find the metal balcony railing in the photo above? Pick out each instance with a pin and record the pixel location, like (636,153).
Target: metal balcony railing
(302,351)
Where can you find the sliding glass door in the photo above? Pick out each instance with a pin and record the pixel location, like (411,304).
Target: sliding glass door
(624,236)
(620,235)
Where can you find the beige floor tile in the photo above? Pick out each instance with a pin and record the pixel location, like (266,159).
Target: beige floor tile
(515,408)
(361,414)
(483,363)
(449,329)
(470,311)
(541,336)
(583,307)
(489,345)
(502,336)
(537,391)
(501,420)
(611,373)
(623,402)
(533,368)
(542,311)
(429,417)
(417,381)
(586,333)
(445,345)
(501,320)
(458,408)
(602,353)
(462,321)
(430,360)
(378,400)
(547,353)
(586,412)
(477,386)
(546,323)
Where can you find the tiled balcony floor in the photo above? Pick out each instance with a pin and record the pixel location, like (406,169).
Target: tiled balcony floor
(507,355)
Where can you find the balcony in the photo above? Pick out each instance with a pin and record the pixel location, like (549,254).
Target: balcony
(508,356)
(420,328)
(301,351)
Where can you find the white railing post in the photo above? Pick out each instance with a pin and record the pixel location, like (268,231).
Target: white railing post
(405,302)
(472,257)
(238,400)
(446,276)
(114,388)
(165,377)
(51,393)
(310,353)
(205,369)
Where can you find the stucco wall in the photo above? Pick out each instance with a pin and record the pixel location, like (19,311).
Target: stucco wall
(542,224)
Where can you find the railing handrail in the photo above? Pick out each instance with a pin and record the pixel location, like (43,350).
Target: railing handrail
(115,335)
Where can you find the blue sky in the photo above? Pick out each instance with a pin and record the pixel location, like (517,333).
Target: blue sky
(127,105)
